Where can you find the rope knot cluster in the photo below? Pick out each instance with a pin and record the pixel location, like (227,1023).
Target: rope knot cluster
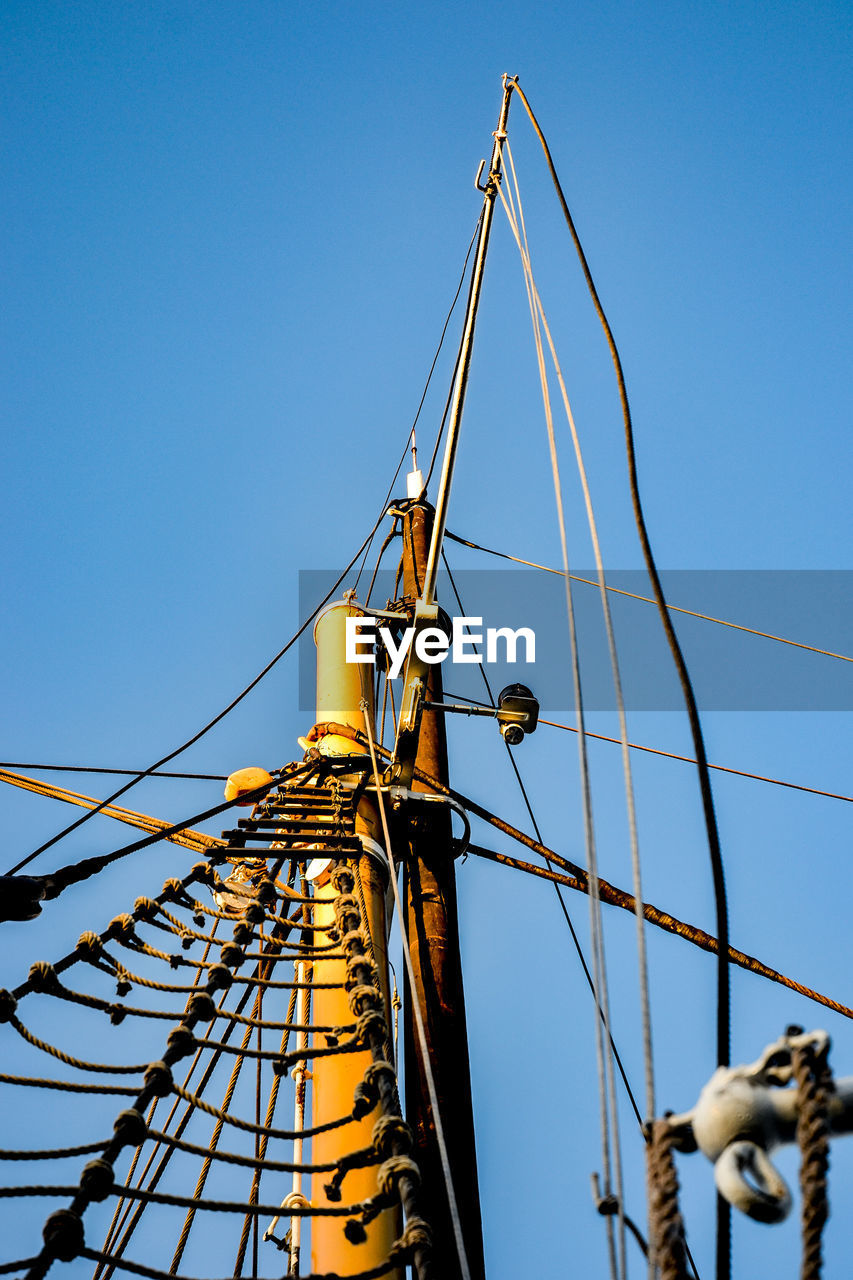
(89,945)
(363,997)
(218,976)
(201,1006)
(42,976)
(158,1080)
(203,872)
(180,1042)
(145,908)
(666,1227)
(370,1023)
(97,1179)
(232,955)
(394,1168)
(63,1235)
(342,878)
(122,926)
(174,888)
(391,1131)
(416,1235)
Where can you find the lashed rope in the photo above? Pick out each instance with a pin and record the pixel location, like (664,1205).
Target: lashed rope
(814,1085)
(668,1255)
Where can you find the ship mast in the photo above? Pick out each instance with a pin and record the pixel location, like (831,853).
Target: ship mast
(430,875)
(449,1194)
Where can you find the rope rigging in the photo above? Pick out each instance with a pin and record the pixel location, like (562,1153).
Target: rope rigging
(577,877)
(315,817)
(313,943)
(211,723)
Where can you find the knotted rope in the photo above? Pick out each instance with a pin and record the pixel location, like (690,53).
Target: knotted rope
(814,1083)
(666,1226)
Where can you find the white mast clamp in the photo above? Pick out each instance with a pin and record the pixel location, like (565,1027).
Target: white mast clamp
(745,1112)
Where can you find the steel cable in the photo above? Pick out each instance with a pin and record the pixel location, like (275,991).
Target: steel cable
(606,1083)
(723,1268)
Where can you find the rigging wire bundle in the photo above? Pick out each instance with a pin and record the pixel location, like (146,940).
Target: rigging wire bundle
(312,934)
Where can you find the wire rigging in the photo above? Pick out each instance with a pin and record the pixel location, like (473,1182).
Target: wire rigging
(560,896)
(630,805)
(211,723)
(79,768)
(410,436)
(673,755)
(723,1268)
(635,595)
(609,1119)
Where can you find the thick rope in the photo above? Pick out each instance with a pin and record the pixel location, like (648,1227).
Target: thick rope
(577,879)
(668,1254)
(814,1084)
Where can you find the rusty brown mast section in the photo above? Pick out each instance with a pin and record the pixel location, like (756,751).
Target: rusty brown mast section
(433,932)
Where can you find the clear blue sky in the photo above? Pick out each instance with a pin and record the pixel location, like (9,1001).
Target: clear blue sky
(231,234)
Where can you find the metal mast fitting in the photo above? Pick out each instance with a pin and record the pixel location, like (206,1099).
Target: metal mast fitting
(430,879)
(432,926)
(426,609)
(490,191)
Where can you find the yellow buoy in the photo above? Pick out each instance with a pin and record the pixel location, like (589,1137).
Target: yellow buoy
(246,780)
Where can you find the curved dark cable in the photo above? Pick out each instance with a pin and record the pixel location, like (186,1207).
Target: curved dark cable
(560,897)
(720,900)
(131,773)
(58,880)
(90,813)
(446,409)
(424,395)
(385,545)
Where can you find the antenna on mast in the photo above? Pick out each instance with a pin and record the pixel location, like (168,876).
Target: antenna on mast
(415,478)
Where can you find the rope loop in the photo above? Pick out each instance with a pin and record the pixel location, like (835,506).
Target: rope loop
(97,1179)
(121,927)
(89,945)
(145,908)
(42,976)
(416,1235)
(390,1131)
(130,1128)
(394,1168)
(63,1235)
(666,1226)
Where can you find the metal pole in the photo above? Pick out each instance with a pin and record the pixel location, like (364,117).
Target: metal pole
(433,932)
(465,349)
